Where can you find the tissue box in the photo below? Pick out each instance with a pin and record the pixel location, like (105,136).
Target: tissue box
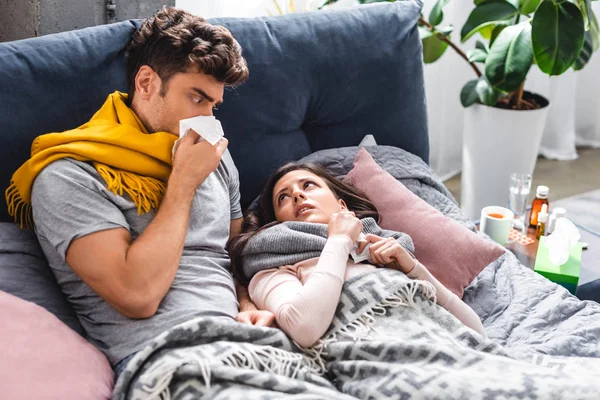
(566,275)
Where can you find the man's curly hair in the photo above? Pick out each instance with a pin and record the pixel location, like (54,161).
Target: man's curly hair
(173,40)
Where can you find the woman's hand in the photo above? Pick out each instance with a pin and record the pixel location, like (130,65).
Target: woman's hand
(389,253)
(344,223)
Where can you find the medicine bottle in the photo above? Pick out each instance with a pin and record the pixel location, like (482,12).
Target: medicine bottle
(541,197)
(542,219)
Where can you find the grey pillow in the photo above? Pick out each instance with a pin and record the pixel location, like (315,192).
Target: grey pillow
(25,273)
(368,140)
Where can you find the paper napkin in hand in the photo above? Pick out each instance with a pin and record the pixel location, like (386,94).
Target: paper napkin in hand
(365,253)
(208,127)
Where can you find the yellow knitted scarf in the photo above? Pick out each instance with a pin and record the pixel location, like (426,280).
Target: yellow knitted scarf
(128,158)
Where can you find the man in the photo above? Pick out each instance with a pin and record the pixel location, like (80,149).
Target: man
(132,269)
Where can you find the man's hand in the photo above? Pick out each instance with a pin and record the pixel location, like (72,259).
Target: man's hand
(194,162)
(256,317)
(249,314)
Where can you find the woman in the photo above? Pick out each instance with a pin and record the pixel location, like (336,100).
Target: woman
(302,290)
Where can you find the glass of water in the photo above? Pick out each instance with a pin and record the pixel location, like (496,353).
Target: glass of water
(520,186)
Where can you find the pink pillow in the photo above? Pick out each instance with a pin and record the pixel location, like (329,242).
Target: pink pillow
(42,358)
(454,254)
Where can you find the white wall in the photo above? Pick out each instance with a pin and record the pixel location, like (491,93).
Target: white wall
(250,8)
(222,8)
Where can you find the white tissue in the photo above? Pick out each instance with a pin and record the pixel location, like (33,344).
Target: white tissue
(365,253)
(208,127)
(561,240)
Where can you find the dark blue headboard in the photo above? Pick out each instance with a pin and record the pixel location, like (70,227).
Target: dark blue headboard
(318,80)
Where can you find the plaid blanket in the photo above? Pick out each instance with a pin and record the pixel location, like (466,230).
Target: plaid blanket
(388,340)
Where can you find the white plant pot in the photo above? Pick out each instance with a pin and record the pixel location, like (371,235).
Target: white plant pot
(558,140)
(496,143)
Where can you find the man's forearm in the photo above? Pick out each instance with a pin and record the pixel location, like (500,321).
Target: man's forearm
(244,299)
(153,259)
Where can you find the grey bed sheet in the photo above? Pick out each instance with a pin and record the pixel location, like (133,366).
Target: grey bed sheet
(520,309)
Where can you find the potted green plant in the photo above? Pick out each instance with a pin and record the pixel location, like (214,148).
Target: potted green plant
(503,122)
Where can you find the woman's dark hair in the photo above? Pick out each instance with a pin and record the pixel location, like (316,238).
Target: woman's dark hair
(262,216)
(173,40)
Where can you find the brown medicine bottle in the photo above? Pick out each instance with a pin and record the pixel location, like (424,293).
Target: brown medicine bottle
(541,198)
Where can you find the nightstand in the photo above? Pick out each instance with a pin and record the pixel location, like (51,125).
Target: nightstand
(589,278)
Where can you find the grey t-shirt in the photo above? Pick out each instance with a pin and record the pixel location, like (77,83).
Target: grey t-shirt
(70,200)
